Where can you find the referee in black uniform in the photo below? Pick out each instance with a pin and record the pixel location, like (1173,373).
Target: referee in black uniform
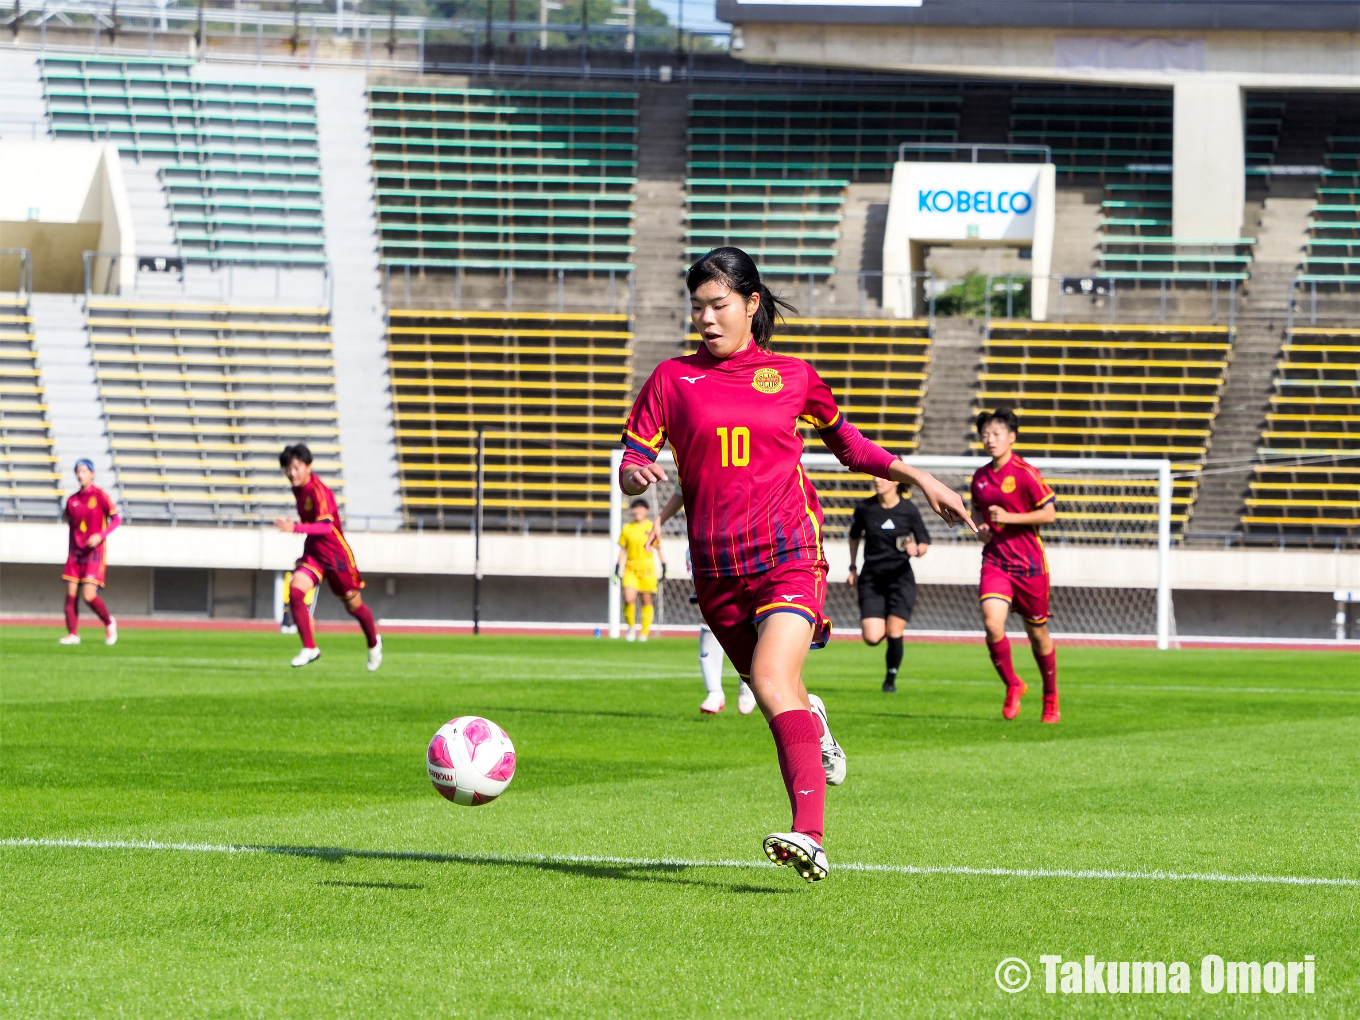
(893,532)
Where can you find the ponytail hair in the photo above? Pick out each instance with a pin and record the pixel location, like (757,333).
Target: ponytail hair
(734,269)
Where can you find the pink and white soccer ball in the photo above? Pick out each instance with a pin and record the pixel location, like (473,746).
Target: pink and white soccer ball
(471,760)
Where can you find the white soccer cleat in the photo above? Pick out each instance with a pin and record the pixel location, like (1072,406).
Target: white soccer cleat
(111,633)
(746,699)
(833,757)
(795,850)
(713,704)
(631,635)
(305,656)
(70,639)
(642,638)
(375,656)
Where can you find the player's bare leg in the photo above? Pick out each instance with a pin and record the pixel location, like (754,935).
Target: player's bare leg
(994,615)
(355,605)
(1046,657)
(630,613)
(297,598)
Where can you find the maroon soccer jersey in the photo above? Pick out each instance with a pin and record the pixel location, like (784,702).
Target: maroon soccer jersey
(1018,488)
(733,425)
(89,512)
(320,516)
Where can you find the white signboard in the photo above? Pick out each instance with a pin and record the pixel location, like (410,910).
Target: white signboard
(970,201)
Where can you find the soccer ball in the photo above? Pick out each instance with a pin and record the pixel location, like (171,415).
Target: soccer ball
(471,760)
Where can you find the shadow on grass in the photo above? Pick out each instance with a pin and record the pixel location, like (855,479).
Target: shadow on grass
(615,869)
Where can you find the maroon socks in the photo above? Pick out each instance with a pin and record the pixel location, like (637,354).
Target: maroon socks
(1001,659)
(302,616)
(100,610)
(798,742)
(71,611)
(365,617)
(1048,669)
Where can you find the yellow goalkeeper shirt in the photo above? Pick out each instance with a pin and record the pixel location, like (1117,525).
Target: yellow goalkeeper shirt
(633,540)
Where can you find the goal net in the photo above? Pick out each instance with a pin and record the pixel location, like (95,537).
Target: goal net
(1108,550)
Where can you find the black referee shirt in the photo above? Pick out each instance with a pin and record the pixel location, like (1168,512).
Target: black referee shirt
(885,533)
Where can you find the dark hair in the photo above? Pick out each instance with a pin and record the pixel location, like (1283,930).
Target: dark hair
(639,502)
(298,451)
(1002,414)
(733,268)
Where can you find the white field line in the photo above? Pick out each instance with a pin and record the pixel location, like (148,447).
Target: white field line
(670,862)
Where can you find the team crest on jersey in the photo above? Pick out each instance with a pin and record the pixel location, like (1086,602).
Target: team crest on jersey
(308,504)
(767,380)
(1008,483)
(92,503)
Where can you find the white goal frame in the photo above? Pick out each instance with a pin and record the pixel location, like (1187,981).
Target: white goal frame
(1140,465)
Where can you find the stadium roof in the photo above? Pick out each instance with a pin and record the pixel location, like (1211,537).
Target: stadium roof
(1146,15)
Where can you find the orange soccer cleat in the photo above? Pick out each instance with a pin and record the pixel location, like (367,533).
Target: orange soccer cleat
(1014,692)
(1051,713)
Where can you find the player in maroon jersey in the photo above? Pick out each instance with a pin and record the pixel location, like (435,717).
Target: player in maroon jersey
(1011,500)
(325,556)
(92,517)
(731,413)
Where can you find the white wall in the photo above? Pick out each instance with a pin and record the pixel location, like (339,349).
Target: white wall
(451,553)
(1209,184)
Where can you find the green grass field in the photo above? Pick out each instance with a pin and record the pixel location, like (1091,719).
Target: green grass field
(1227,762)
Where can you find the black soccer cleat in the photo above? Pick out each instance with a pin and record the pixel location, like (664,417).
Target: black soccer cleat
(889,686)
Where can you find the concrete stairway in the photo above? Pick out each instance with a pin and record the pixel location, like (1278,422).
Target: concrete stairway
(358,319)
(1076,233)
(945,428)
(74,409)
(661,310)
(23,108)
(1261,320)
(150,206)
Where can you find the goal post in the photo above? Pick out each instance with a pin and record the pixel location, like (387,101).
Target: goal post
(1103,503)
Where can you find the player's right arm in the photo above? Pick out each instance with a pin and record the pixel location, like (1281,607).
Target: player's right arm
(644,436)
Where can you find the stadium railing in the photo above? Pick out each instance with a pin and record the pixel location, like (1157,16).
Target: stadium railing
(239,161)
(482,179)
(29,480)
(199,397)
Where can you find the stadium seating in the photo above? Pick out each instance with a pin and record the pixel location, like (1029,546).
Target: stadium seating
(1098,136)
(1308,480)
(239,161)
(1104,390)
(490,179)
(1332,254)
(768,173)
(200,398)
(549,389)
(29,480)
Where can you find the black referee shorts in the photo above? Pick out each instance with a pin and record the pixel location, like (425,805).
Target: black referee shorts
(884,595)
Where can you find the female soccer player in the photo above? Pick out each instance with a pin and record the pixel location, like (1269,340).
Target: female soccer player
(893,533)
(636,570)
(731,412)
(92,517)
(710,652)
(1012,499)
(325,555)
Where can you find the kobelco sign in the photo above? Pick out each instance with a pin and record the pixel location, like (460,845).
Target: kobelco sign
(963,204)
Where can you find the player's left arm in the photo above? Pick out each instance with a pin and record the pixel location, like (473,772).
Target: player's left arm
(111,521)
(920,534)
(853,449)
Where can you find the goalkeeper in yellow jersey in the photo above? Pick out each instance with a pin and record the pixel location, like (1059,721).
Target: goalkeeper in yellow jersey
(637,570)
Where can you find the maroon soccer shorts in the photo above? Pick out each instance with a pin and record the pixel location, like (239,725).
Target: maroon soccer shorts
(734,606)
(1029,595)
(86,566)
(340,572)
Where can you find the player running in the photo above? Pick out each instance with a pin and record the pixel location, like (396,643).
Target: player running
(1011,498)
(92,517)
(636,569)
(710,652)
(731,413)
(325,556)
(893,533)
